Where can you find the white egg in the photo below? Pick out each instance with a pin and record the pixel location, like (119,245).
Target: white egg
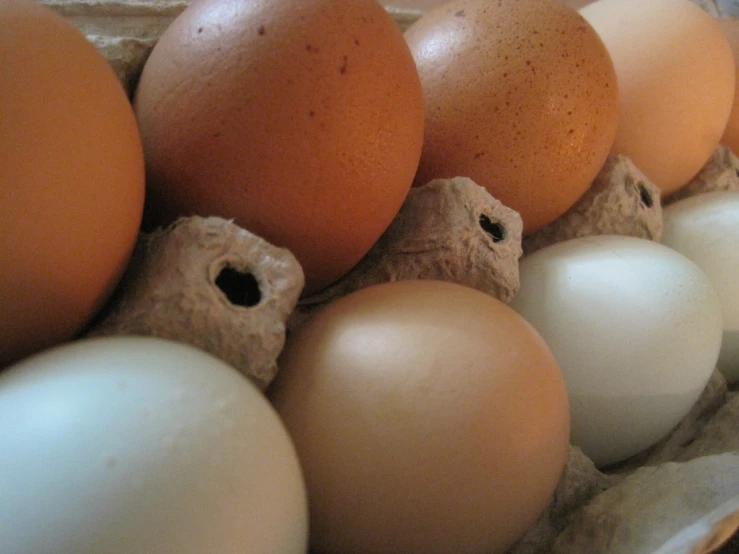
(705,229)
(143,446)
(636,329)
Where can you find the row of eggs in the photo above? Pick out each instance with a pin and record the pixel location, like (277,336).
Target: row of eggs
(432,439)
(310,131)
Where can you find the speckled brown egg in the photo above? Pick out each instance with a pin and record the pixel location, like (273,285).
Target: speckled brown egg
(521,96)
(300,119)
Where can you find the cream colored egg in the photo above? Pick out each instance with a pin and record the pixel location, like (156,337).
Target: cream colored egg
(705,229)
(675,72)
(635,327)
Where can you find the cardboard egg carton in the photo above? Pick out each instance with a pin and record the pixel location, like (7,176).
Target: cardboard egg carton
(679,497)
(126,31)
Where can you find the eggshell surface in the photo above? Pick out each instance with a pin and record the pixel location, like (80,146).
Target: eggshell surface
(428,417)
(520,96)
(636,329)
(675,74)
(141,445)
(300,119)
(71,180)
(705,229)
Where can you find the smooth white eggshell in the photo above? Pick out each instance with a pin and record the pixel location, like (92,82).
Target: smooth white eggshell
(705,229)
(675,71)
(636,329)
(140,445)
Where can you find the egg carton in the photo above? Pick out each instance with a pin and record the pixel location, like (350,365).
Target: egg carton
(210,283)
(125,31)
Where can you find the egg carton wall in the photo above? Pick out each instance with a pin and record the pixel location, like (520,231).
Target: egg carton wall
(235,295)
(125,32)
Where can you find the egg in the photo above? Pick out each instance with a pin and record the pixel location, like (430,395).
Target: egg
(139,445)
(520,96)
(675,101)
(302,120)
(730,138)
(72,180)
(705,229)
(636,330)
(428,418)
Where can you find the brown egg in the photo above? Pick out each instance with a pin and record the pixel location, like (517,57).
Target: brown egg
(428,418)
(520,96)
(730,138)
(71,179)
(300,119)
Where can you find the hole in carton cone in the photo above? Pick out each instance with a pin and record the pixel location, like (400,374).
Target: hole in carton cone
(496,231)
(646,198)
(241,288)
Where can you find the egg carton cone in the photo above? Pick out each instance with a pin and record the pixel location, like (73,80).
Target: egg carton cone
(207,282)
